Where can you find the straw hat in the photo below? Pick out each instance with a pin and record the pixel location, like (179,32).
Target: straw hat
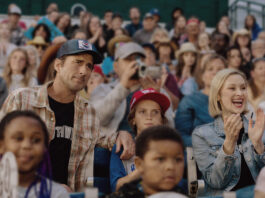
(186,47)
(241,32)
(117,39)
(38,40)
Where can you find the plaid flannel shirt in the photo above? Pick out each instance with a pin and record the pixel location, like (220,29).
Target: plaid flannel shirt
(86,133)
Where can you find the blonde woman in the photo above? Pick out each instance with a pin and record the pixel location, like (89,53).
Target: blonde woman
(18,72)
(229,151)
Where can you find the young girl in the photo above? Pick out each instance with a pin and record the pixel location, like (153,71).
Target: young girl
(147,108)
(187,58)
(18,72)
(26,135)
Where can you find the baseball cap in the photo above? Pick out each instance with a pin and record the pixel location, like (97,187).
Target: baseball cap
(98,70)
(77,46)
(127,49)
(155,11)
(15,10)
(150,94)
(148,15)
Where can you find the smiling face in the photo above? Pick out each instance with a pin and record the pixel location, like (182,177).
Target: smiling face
(147,114)
(18,62)
(74,71)
(162,166)
(24,137)
(233,95)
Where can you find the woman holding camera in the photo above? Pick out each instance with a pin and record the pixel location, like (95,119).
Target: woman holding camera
(229,151)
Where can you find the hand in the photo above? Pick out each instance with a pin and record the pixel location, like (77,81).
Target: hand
(130,70)
(255,133)
(148,82)
(68,189)
(125,139)
(232,126)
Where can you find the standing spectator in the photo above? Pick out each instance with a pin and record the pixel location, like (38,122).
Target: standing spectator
(39,43)
(155,12)
(258,48)
(242,38)
(159,35)
(34,59)
(193,109)
(42,30)
(95,34)
(72,121)
(17,33)
(144,35)
(5,46)
(222,28)
(193,30)
(175,13)
(150,54)
(262,35)
(187,58)
(18,72)
(135,23)
(252,26)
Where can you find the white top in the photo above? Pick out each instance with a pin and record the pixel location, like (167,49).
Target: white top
(58,191)
(16,82)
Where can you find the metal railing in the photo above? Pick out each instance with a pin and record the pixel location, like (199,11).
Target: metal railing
(247,7)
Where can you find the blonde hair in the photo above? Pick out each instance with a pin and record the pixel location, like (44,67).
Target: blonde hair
(158,30)
(215,108)
(26,71)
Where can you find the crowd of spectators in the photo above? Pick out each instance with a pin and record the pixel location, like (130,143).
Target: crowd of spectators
(122,102)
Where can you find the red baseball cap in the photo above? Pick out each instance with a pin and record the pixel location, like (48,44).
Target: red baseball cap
(98,70)
(150,94)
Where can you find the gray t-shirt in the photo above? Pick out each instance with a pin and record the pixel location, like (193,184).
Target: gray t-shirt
(58,191)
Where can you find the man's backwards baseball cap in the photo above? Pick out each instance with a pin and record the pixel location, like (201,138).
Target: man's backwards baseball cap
(150,94)
(77,46)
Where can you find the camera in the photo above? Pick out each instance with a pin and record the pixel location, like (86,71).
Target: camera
(142,71)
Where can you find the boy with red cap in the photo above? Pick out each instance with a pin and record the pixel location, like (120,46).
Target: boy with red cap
(147,108)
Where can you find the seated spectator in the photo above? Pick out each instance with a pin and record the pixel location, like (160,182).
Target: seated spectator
(258,48)
(155,12)
(6,47)
(95,34)
(242,38)
(144,35)
(63,23)
(220,43)
(178,33)
(39,43)
(34,59)
(135,23)
(204,42)
(150,54)
(259,189)
(17,33)
(159,35)
(256,89)
(252,26)
(193,30)
(121,31)
(222,28)
(166,55)
(107,22)
(234,57)
(42,30)
(187,57)
(229,151)
(18,72)
(79,34)
(147,108)
(30,150)
(193,109)
(156,148)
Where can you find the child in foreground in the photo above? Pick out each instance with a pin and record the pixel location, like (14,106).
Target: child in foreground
(25,135)
(160,162)
(147,108)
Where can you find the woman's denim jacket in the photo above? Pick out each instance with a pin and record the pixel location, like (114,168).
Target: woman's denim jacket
(221,172)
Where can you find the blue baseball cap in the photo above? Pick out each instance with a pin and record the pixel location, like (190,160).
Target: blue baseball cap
(155,11)
(77,46)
